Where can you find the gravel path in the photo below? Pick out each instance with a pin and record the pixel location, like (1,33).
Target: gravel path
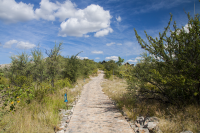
(95,113)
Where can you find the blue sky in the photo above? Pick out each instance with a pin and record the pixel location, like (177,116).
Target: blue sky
(102,29)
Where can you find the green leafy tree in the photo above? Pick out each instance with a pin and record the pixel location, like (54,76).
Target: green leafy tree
(120,61)
(72,67)
(174,68)
(52,63)
(38,66)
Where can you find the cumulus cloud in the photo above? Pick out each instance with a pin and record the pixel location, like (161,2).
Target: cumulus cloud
(134,60)
(46,10)
(86,36)
(103,32)
(75,22)
(21,44)
(12,12)
(25,45)
(9,43)
(115,58)
(97,52)
(65,10)
(91,19)
(138,58)
(119,19)
(82,57)
(97,58)
(109,44)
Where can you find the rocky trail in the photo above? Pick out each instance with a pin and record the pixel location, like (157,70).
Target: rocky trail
(95,112)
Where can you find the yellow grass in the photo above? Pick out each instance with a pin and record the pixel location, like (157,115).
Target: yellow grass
(172,120)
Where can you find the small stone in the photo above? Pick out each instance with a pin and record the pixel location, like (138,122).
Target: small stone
(67,121)
(140,120)
(62,127)
(132,126)
(61,131)
(137,124)
(143,130)
(151,125)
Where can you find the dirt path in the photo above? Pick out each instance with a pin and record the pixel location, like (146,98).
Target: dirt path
(95,113)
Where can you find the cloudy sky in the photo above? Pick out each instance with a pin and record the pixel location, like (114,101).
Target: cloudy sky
(102,29)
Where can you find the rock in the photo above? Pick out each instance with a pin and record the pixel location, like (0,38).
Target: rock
(151,125)
(186,132)
(140,120)
(61,131)
(62,127)
(143,130)
(67,121)
(137,124)
(132,126)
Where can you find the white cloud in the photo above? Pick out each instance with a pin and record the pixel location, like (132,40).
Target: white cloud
(9,43)
(97,52)
(119,44)
(115,58)
(135,60)
(155,57)
(119,19)
(75,22)
(46,10)
(97,58)
(186,28)
(12,12)
(25,45)
(82,57)
(138,58)
(103,32)
(65,10)
(109,44)
(91,19)
(86,36)
(132,61)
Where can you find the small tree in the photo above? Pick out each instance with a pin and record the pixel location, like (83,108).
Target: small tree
(175,67)
(52,63)
(120,61)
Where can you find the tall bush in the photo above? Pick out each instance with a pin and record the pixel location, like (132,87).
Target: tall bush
(173,64)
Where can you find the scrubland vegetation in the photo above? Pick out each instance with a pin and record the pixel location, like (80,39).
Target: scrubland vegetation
(165,83)
(32,89)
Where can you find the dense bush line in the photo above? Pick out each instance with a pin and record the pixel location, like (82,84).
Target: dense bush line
(32,78)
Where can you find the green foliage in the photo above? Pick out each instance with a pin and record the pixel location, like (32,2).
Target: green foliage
(120,61)
(63,83)
(172,66)
(3,81)
(71,68)
(27,79)
(108,73)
